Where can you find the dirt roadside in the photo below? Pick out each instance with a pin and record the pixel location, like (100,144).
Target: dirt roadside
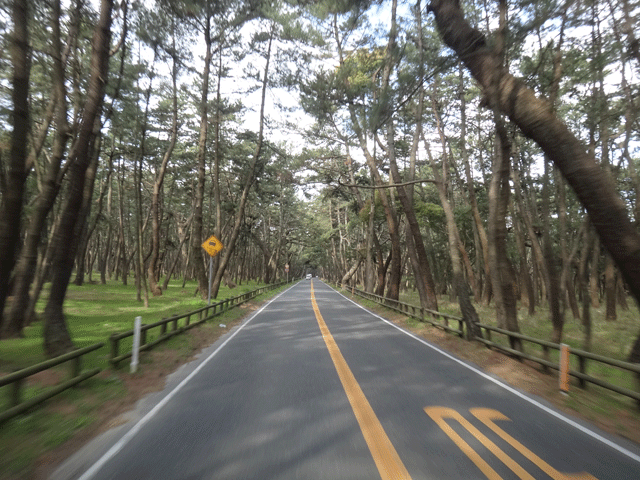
(624,422)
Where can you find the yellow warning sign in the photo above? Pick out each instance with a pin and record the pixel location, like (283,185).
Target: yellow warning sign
(212,246)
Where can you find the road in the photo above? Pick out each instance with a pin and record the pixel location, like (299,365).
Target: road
(312,386)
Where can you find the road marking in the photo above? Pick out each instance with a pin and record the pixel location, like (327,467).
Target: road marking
(587,431)
(440,414)
(486,416)
(384,454)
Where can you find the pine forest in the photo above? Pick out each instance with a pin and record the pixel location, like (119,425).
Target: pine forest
(479,152)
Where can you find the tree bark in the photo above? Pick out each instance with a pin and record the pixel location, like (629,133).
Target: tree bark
(85,211)
(250,173)
(347,276)
(593,187)
(467,309)
(159,181)
(12,196)
(56,335)
(197,237)
(26,267)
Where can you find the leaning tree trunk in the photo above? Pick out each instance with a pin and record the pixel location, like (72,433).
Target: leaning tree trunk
(13,187)
(85,212)
(483,244)
(416,249)
(501,268)
(27,262)
(347,276)
(469,314)
(157,185)
(197,237)
(593,187)
(231,242)
(56,335)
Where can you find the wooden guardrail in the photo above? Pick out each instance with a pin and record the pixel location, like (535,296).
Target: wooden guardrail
(583,357)
(419,313)
(180,323)
(16,380)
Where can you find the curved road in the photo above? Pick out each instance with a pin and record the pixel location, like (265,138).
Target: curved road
(312,386)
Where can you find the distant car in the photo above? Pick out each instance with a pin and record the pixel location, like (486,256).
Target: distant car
(309,276)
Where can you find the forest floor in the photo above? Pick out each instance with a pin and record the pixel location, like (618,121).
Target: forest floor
(597,406)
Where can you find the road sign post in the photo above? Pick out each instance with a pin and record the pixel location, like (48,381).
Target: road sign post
(212,246)
(210,279)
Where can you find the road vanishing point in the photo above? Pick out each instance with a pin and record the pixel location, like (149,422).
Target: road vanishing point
(313,386)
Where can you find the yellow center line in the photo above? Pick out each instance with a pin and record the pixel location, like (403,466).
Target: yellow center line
(384,454)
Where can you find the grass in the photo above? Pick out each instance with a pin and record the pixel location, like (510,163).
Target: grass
(93,313)
(609,339)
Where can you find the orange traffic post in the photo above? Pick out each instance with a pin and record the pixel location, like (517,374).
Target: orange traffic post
(564,368)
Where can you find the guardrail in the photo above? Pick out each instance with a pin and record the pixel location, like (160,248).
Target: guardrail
(582,356)
(419,313)
(180,323)
(16,379)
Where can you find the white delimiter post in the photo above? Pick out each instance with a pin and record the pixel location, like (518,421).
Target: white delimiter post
(136,344)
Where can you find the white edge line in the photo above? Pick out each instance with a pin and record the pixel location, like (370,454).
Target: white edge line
(550,411)
(126,438)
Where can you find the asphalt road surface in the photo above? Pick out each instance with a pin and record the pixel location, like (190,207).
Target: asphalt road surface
(312,386)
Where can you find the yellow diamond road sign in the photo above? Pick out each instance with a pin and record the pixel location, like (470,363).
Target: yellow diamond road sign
(212,246)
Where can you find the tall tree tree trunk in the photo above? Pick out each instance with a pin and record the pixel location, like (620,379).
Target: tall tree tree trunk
(13,189)
(592,185)
(217,159)
(369,279)
(583,274)
(250,173)
(56,335)
(85,211)
(197,237)
(467,309)
(483,246)
(157,185)
(500,266)
(26,267)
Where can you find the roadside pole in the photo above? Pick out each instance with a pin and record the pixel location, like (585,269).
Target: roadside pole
(212,246)
(210,278)
(565,366)
(137,324)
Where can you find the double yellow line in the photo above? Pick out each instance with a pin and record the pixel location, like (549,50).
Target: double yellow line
(384,454)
